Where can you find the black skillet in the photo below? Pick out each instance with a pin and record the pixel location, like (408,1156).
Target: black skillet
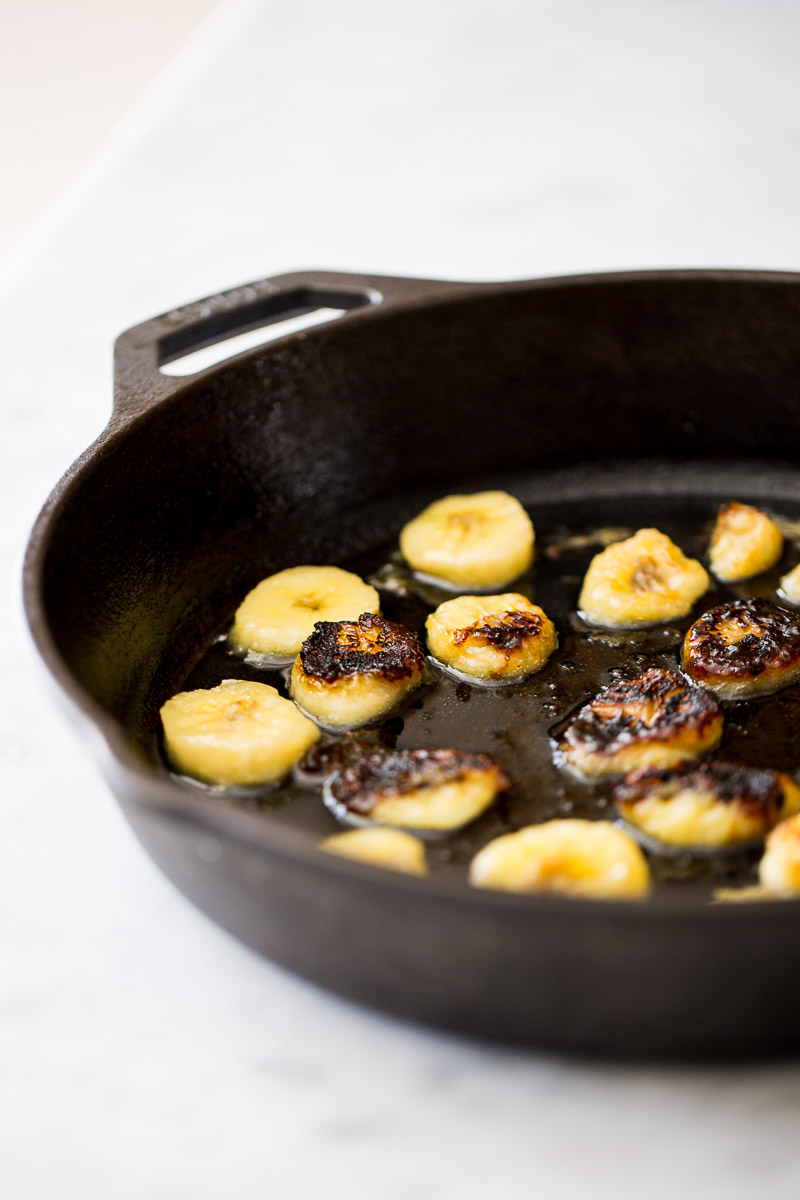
(604,400)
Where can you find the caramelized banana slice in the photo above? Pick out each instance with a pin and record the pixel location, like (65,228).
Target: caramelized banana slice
(708,805)
(744,648)
(491,638)
(277,616)
(391,848)
(779,869)
(351,672)
(790,586)
(591,859)
(653,721)
(417,789)
(480,541)
(641,581)
(745,542)
(237,734)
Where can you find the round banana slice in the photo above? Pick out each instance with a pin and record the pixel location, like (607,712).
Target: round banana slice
(391,848)
(745,542)
(591,859)
(641,581)
(708,805)
(352,672)
(432,790)
(480,541)
(491,638)
(237,734)
(744,648)
(790,586)
(779,869)
(277,616)
(653,721)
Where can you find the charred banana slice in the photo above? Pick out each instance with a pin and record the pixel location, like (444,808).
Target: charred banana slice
(483,540)
(653,721)
(779,869)
(590,859)
(491,638)
(708,805)
(432,790)
(790,586)
(745,542)
(352,672)
(744,648)
(391,848)
(237,734)
(641,581)
(277,616)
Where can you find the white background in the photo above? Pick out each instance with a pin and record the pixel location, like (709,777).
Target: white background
(143,1053)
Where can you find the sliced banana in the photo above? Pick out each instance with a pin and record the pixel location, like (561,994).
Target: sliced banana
(432,790)
(745,542)
(277,616)
(744,648)
(790,586)
(237,734)
(590,859)
(383,847)
(641,581)
(491,638)
(709,805)
(653,721)
(351,672)
(483,540)
(779,869)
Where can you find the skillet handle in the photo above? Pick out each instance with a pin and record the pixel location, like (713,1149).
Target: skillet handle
(141,351)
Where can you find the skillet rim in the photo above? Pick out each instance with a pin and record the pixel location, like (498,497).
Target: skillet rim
(186,804)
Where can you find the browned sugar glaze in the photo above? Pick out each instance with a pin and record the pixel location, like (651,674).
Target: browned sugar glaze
(504,631)
(742,640)
(370,645)
(360,786)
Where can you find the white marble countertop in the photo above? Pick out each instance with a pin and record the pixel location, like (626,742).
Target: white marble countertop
(143,1053)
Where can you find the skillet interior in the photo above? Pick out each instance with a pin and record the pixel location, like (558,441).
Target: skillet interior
(316,449)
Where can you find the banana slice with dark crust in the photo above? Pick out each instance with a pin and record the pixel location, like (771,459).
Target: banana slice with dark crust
(653,721)
(352,672)
(493,639)
(744,648)
(417,789)
(706,805)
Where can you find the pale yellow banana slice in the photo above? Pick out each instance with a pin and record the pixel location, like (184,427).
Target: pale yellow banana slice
(590,859)
(745,542)
(349,673)
(493,639)
(277,616)
(641,581)
(779,869)
(483,540)
(790,586)
(433,790)
(383,847)
(709,805)
(237,734)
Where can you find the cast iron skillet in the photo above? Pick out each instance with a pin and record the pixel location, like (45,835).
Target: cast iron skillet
(315,448)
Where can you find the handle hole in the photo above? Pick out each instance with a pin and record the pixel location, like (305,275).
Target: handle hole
(226,334)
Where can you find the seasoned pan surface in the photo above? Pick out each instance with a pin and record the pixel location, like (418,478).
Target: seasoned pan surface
(607,402)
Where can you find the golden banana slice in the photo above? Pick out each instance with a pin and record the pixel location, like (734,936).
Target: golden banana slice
(493,639)
(391,848)
(745,542)
(352,672)
(237,734)
(653,721)
(779,869)
(591,859)
(744,648)
(277,616)
(479,541)
(433,790)
(641,581)
(790,586)
(708,805)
